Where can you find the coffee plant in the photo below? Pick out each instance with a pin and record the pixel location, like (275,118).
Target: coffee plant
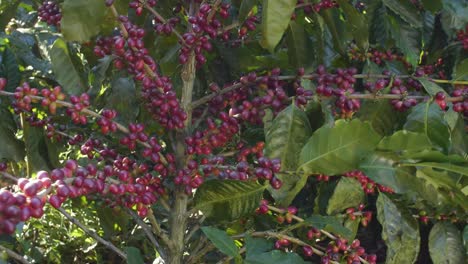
(243,131)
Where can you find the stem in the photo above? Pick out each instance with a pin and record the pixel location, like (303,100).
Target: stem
(148,233)
(92,234)
(236,86)
(14,255)
(91,113)
(162,19)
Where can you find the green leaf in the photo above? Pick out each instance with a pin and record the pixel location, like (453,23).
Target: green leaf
(275,20)
(465,239)
(400,231)
(299,46)
(12,148)
(431,87)
(352,225)
(275,256)
(383,118)
(10,70)
(434,156)
(454,16)
(406,11)
(256,246)
(329,223)
(463,170)
(432,5)
(7,11)
(221,240)
(245,8)
(284,139)
(460,71)
(407,39)
(379,25)
(445,244)
(384,169)
(334,150)
(82,19)
(356,24)
(65,72)
(134,255)
(348,193)
(405,141)
(428,118)
(123,98)
(228,199)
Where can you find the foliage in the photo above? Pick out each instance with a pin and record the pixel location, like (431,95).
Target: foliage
(243,131)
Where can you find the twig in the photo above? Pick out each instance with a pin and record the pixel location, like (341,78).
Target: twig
(93,234)
(149,234)
(326,233)
(162,19)
(14,255)
(235,86)
(9,176)
(157,230)
(88,112)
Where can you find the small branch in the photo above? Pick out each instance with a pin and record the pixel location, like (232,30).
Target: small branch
(239,85)
(88,112)
(200,254)
(157,230)
(162,19)
(149,234)
(106,243)
(326,233)
(229,258)
(9,176)
(14,255)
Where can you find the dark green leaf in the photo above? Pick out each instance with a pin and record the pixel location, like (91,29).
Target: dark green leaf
(256,246)
(275,20)
(356,24)
(454,15)
(36,148)
(11,70)
(446,244)
(123,98)
(463,170)
(221,240)
(431,87)
(406,11)
(275,256)
(7,11)
(465,238)
(134,255)
(429,119)
(383,118)
(284,139)
(82,19)
(228,199)
(65,72)
(384,169)
(329,223)
(434,156)
(433,5)
(338,149)
(400,231)
(379,25)
(461,70)
(407,38)
(405,141)
(348,193)
(245,8)
(12,148)
(299,47)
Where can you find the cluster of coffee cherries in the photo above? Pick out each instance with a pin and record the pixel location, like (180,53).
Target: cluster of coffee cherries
(214,136)
(462,36)
(24,96)
(287,216)
(139,5)
(136,133)
(50,98)
(368,185)
(49,12)
(462,106)
(352,252)
(161,100)
(79,103)
(359,213)
(316,7)
(339,84)
(105,123)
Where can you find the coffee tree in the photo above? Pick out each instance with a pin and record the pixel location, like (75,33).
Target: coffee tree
(243,131)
